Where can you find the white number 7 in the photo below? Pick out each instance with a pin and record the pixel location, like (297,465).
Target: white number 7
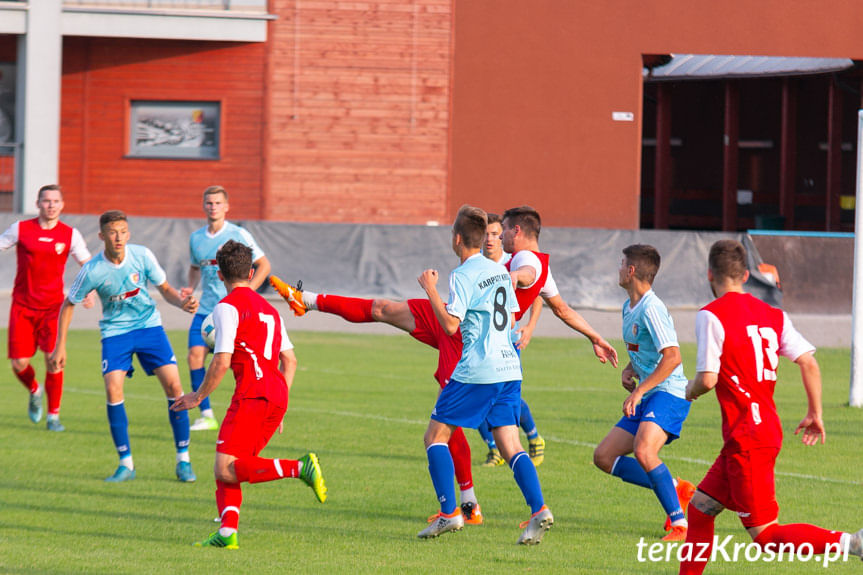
(758,337)
(270,322)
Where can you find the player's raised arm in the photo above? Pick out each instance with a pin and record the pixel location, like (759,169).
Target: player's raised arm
(603,350)
(523,276)
(188,303)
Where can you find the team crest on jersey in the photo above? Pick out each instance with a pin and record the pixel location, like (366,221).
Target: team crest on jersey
(135,277)
(59,247)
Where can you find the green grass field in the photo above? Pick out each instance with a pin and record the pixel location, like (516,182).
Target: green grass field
(362,404)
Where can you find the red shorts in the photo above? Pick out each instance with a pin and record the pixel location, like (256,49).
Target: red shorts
(248,426)
(429,331)
(29,328)
(743,481)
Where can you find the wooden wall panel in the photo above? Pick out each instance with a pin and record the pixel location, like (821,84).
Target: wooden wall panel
(101,76)
(359,111)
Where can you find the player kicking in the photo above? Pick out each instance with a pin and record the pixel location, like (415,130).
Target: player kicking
(252,341)
(486,383)
(493,250)
(130,324)
(43,245)
(740,339)
(203,245)
(416,317)
(654,411)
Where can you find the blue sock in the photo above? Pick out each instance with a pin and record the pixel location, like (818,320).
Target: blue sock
(180,426)
(442,470)
(119,428)
(628,469)
(485,432)
(663,486)
(526,421)
(527,480)
(197,377)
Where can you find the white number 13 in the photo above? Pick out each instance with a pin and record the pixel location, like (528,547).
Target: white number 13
(761,336)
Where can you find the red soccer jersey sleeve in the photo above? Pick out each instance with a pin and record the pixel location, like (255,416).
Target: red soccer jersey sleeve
(526,296)
(740,338)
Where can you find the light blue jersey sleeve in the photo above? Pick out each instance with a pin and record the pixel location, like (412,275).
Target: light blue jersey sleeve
(257,252)
(660,326)
(459,295)
(154,272)
(84,283)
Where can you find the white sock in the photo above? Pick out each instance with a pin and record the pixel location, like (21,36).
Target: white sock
(299,468)
(226,531)
(208,413)
(468,496)
(53,417)
(127,462)
(183,456)
(310,299)
(680,523)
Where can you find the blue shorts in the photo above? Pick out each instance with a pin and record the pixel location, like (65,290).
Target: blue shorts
(470,404)
(150,344)
(665,410)
(195,337)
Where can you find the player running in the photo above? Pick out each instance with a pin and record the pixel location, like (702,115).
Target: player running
(130,324)
(203,245)
(252,341)
(654,411)
(740,339)
(43,245)
(493,249)
(486,383)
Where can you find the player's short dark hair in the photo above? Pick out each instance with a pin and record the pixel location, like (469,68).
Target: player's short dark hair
(48,188)
(727,260)
(235,261)
(470,223)
(213,190)
(526,218)
(111,216)
(493,218)
(645,259)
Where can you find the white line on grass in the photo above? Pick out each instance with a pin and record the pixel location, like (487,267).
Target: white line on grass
(573,442)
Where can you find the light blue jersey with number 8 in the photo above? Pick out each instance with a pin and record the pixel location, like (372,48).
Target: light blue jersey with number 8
(482,297)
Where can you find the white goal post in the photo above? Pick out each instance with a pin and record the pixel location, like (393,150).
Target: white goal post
(855,395)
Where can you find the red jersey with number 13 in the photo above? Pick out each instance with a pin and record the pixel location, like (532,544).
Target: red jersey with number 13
(42,256)
(257,345)
(526,296)
(750,340)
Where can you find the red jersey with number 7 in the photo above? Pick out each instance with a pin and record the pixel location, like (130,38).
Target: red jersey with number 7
(741,338)
(251,329)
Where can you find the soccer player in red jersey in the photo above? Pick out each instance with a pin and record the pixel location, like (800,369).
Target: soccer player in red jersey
(252,341)
(740,339)
(532,277)
(43,245)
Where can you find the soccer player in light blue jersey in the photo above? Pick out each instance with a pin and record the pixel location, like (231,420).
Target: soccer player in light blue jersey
(203,245)
(130,324)
(654,411)
(486,382)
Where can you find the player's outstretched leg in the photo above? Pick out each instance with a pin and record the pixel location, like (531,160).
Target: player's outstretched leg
(54,393)
(311,474)
(255,469)
(292,295)
(536,444)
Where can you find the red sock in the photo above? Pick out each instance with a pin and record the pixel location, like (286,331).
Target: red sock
(353,309)
(459,448)
(54,390)
(229,498)
(258,470)
(28,378)
(798,534)
(700,535)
